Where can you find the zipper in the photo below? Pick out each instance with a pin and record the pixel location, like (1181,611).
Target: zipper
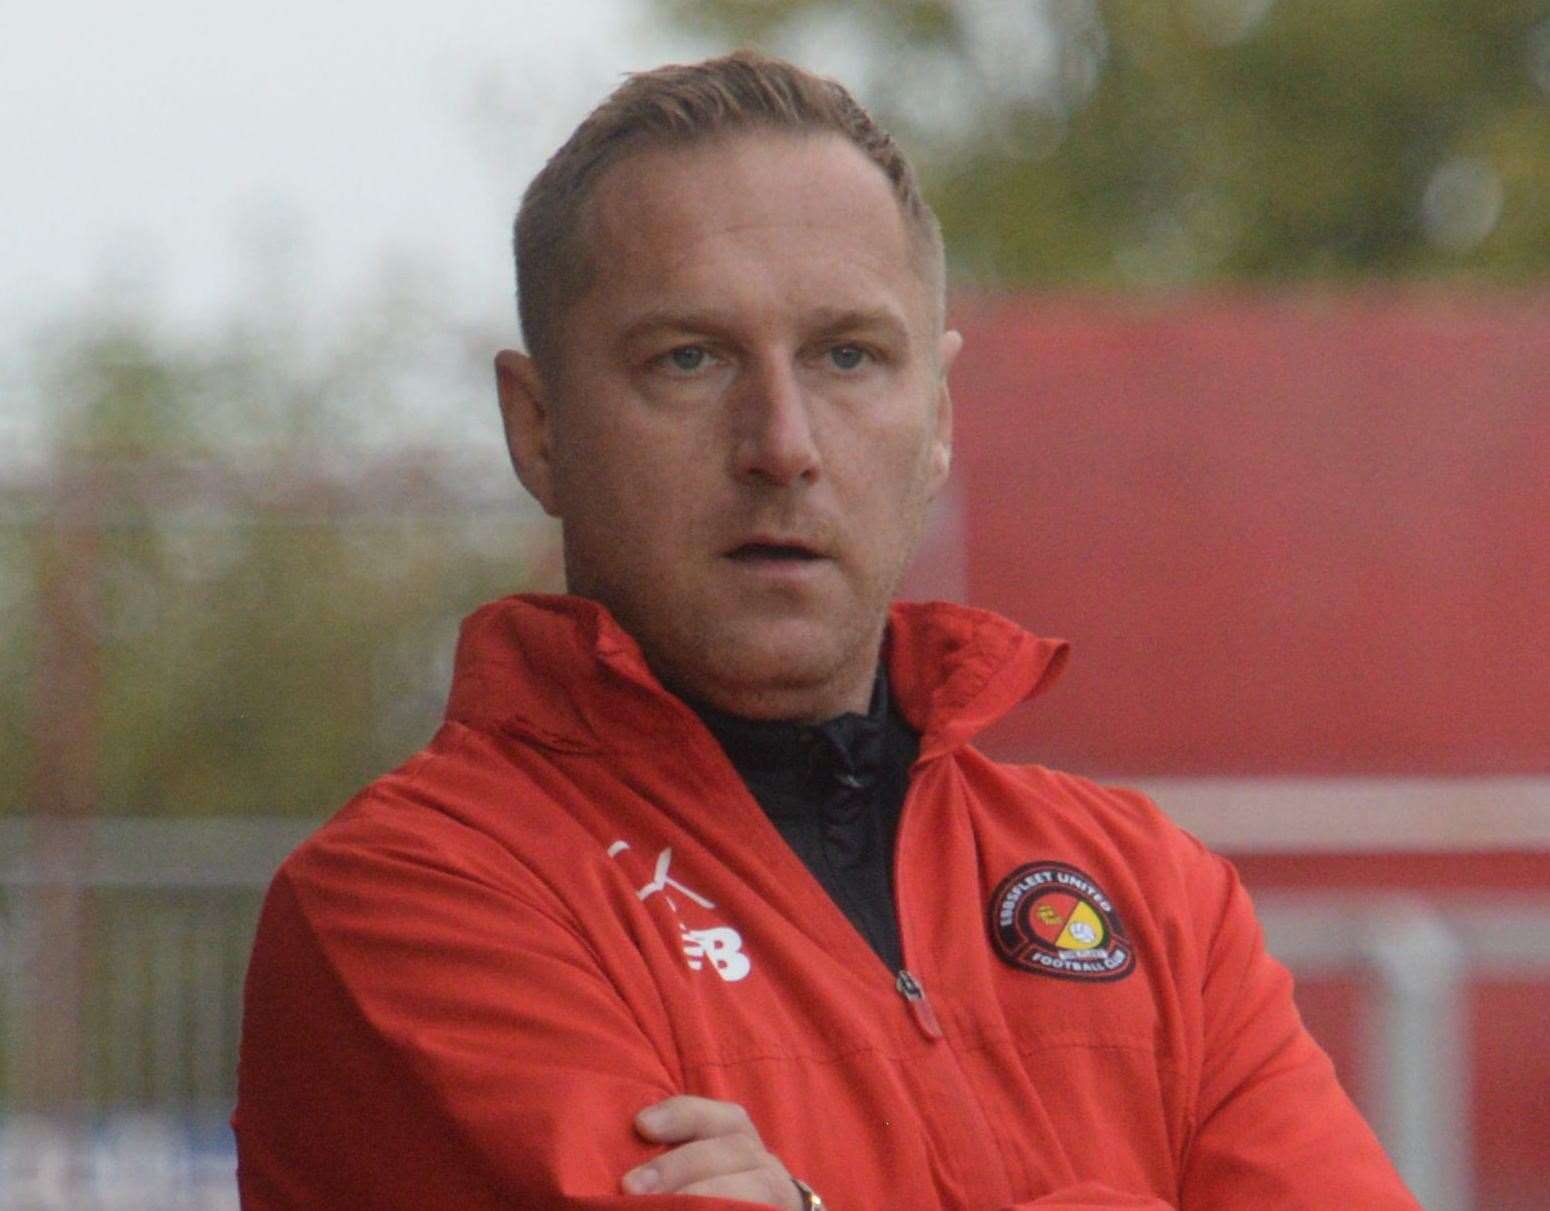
(977,1170)
(904,980)
(920,1007)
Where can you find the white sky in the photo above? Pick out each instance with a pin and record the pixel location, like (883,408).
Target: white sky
(190,147)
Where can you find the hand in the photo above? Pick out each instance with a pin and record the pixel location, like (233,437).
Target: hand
(719,1155)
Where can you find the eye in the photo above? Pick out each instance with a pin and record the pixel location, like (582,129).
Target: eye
(847,357)
(686,358)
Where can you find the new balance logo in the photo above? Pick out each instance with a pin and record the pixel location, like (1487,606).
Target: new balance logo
(719,946)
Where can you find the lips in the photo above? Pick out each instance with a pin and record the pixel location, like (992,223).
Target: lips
(750,551)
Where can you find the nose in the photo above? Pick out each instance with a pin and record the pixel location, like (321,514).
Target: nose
(775,440)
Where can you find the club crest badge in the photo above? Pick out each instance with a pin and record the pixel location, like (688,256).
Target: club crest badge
(1052,919)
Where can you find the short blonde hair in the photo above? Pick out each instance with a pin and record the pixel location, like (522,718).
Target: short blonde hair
(682,104)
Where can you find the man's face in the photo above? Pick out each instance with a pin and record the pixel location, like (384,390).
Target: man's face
(748,417)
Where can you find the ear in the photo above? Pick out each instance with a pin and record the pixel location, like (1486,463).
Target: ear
(528,418)
(942,440)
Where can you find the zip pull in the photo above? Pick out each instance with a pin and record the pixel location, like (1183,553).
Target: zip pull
(925,1017)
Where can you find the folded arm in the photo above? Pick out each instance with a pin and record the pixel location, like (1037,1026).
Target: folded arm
(418,1033)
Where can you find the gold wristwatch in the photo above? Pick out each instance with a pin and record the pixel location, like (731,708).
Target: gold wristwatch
(810,1199)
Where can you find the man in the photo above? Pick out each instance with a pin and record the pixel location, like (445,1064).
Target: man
(701,891)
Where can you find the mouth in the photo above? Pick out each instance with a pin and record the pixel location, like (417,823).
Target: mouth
(778,552)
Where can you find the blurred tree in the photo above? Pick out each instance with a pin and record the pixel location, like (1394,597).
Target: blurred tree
(1188,141)
(225,549)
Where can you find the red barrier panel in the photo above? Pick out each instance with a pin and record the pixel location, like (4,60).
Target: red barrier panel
(1301,535)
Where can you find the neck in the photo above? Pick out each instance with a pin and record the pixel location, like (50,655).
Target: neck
(875,702)
(779,707)
(788,704)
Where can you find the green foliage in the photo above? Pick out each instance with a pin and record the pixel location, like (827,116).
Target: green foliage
(1180,142)
(224,544)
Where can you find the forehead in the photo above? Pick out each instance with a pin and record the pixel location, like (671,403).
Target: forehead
(767,218)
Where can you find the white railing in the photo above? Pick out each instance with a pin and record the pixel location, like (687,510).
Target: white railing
(138,1160)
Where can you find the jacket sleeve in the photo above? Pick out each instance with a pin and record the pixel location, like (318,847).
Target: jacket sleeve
(419,1033)
(1273,1127)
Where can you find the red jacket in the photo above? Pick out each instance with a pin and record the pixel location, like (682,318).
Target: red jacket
(568,906)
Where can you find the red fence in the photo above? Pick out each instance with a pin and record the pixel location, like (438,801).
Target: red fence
(1295,536)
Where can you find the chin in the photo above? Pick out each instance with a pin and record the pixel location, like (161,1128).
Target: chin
(779,670)
(775,666)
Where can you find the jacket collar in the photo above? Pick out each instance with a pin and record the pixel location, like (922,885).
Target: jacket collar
(560,672)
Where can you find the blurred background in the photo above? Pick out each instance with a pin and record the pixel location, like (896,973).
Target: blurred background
(1254,407)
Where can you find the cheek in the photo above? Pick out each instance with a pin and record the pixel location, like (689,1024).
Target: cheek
(924,478)
(631,484)
(905,461)
(598,452)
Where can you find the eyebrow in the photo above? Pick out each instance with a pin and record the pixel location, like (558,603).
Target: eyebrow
(824,321)
(672,321)
(879,319)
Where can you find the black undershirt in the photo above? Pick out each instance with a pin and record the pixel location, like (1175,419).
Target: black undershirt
(834,790)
